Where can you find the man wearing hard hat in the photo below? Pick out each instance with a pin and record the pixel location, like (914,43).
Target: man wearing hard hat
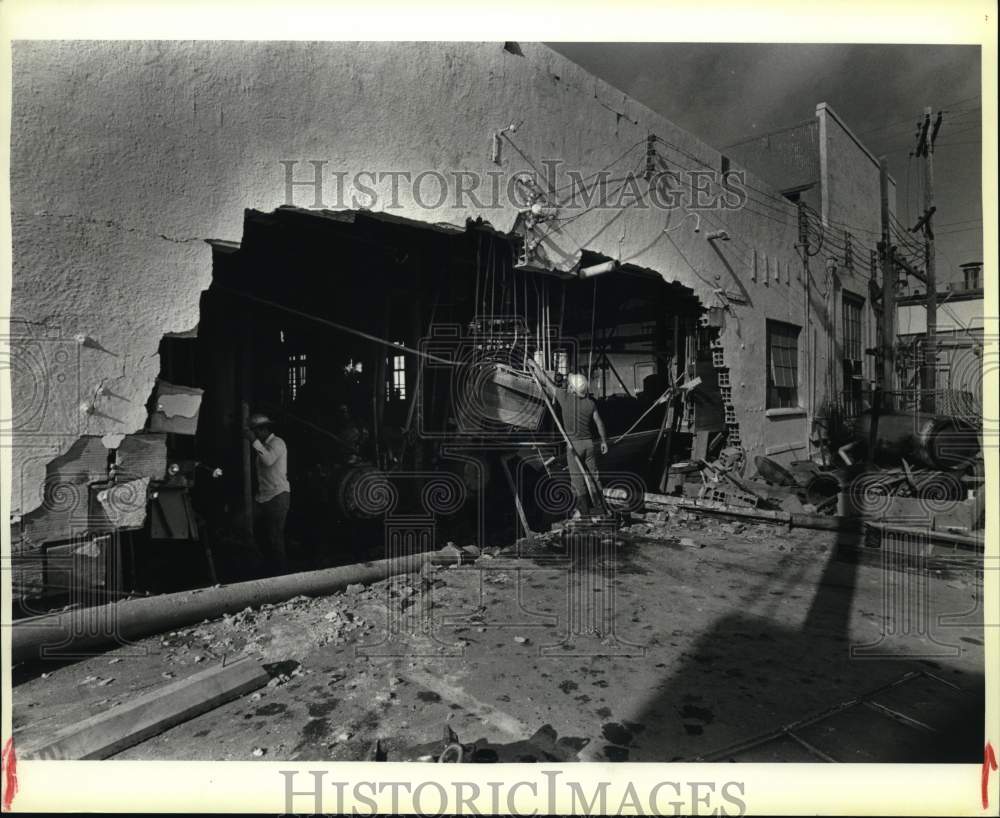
(273,492)
(582,427)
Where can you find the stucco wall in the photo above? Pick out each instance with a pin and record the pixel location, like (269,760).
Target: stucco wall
(851,204)
(787,158)
(125,156)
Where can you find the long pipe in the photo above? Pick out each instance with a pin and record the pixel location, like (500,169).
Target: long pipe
(71,633)
(814,521)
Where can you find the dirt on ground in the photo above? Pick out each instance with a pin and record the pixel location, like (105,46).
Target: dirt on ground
(665,640)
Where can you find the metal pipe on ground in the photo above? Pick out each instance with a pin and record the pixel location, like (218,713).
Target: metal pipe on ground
(758,515)
(68,634)
(970,542)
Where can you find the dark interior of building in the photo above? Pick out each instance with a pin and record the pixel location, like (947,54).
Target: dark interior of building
(367,339)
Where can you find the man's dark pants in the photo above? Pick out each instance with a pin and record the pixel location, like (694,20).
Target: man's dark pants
(586,450)
(270,525)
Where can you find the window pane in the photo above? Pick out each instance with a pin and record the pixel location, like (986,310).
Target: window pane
(783,365)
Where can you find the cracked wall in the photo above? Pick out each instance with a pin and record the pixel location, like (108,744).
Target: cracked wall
(127,155)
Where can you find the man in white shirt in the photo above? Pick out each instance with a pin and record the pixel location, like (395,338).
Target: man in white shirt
(273,492)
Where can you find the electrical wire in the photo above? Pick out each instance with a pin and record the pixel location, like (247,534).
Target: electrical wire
(602,170)
(335,325)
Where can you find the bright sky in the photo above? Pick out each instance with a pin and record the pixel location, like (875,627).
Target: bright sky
(726,92)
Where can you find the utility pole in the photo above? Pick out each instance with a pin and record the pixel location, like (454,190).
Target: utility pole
(925,148)
(803,248)
(887,363)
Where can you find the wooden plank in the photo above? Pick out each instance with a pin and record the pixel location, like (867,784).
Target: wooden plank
(133,722)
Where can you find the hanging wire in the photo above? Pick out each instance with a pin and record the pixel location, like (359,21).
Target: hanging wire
(479,270)
(493,287)
(593,319)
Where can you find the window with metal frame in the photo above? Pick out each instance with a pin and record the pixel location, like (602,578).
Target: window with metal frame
(398,386)
(296,374)
(852,309)
(782,365)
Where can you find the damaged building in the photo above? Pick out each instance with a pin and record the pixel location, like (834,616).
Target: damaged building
(375,245)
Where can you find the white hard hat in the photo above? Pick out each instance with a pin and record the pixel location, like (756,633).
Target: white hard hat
(577,383)
(258,419)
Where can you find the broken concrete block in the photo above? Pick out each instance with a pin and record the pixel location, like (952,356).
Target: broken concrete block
(687,541)
(354,588)
(963,516)
(472,550)
(124,504)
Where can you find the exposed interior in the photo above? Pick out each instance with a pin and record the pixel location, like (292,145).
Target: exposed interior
(344,326)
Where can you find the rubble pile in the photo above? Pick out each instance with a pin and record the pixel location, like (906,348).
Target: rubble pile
(289,630)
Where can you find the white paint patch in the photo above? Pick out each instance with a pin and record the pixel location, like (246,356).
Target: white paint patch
(112,440)
(184,405)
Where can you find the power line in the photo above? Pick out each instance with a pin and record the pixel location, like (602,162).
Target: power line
(961,221)
(962,230)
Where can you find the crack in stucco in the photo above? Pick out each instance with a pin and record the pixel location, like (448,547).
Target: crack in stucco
(112,224)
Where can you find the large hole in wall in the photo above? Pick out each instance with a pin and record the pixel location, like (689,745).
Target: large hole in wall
(344,329)
(302,323)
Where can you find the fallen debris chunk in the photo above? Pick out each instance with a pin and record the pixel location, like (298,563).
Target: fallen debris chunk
(259,751)
(133,722)
(521,640)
